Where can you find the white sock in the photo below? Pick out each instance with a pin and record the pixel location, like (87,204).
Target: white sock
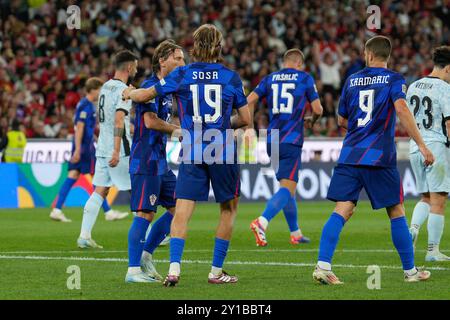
(263,221)
(174,269)
(109,212)
(324,265)
(435,230)
(57,210)
(297,233)
(420,214)
(216,271)
(91,210)
(134,270)
(411,272)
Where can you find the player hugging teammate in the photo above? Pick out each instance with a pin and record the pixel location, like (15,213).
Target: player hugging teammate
(206,92)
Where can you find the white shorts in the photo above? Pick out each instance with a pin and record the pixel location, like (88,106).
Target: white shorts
(106,176)
(435,178)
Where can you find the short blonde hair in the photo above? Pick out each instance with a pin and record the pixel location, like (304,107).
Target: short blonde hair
(93,83)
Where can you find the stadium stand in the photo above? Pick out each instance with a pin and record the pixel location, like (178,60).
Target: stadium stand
(43,64)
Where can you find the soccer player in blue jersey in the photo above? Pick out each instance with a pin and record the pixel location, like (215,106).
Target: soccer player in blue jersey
(206,93)
(152,181)
(287,91)
(370,101)
(83,151)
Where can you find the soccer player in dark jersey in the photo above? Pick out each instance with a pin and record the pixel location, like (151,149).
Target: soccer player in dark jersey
(206,93)
(83,151)
(152,181)
(286,91)
(370,101)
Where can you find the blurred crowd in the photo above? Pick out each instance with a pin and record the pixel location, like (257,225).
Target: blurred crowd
(43,64)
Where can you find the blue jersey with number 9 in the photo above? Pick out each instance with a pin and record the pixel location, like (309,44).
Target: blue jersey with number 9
(367,101)
(205,94)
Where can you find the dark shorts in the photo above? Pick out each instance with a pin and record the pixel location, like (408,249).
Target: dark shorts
(383,185)
(86,165)
(289,161)
(194,179)
(148,192)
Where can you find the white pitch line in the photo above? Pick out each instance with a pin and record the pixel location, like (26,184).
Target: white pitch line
(262,250)
(207,262)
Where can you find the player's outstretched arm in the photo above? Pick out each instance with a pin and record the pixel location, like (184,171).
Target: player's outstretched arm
(252,100)
(409,123)
(119,131)
(152,121)
(242,118)
(139,95)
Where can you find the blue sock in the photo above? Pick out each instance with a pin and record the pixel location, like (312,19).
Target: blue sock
(176,249)
(276,203)
(330,237)
(136,240)
(64,191)
(105,206)
(159,230)
(220,252)
(290,213)
(403,242)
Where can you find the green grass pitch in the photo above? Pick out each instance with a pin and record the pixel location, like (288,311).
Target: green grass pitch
(36,252)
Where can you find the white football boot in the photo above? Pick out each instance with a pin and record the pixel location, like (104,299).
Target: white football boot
(139,277)
(88,244)
(113,215)
(58,215)
(326,276)
(420,275)
(165,242)
(435,255)
(148,267)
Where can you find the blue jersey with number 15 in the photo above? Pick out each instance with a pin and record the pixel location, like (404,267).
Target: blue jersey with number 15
(367,101)
(287,92)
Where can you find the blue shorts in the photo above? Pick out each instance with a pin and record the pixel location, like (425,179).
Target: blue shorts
(289,161)
(148,192)
(194,179)
(383,185)
(86,165)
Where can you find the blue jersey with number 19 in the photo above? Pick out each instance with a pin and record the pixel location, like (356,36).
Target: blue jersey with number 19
(367,101)
(287,92)
(205,94)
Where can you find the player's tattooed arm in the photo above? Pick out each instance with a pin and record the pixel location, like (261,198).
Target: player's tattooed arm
(139,95)
(242,118)
(409,123)
(317,111)
(152,121)
(119,131)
